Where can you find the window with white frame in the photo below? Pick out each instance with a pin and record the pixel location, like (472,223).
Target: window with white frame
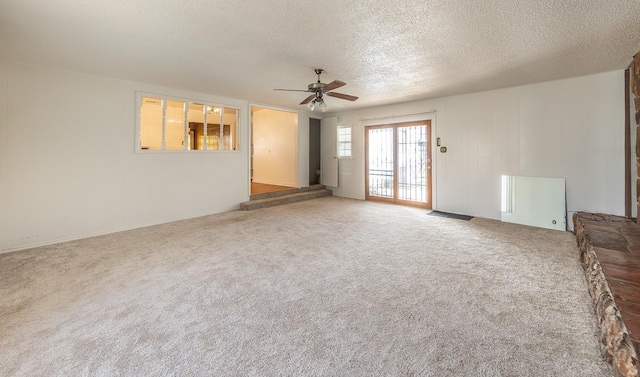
(173,124)
(344,141)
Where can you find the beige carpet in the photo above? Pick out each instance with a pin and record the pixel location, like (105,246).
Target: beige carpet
(329,287)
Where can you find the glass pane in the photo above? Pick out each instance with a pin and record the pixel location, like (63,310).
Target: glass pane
(344,134)
(345,150)
(230,129)
(174,126)
(213,137)
(195,118)
(344,141)
(151,123)
(381,162)
(412,163)
(213,128)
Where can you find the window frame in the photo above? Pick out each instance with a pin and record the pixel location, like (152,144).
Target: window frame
(340,143)
(137,129)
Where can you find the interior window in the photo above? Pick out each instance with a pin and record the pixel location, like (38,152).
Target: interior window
(214,114)
(230,133)
(174,125)
(196,122)
(151,123)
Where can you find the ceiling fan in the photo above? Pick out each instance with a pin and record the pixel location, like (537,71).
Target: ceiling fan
(315,101)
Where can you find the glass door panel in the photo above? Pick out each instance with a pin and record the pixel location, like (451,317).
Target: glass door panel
(412,163)
(380,162)
(398,163)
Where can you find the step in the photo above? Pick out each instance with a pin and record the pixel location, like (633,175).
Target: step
(274,194)
(285,199)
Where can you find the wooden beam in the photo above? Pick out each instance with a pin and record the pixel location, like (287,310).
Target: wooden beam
(627,145)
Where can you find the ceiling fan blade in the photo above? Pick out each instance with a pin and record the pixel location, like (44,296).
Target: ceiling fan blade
(292,90)
(335,84)
(308,99)
(343,96)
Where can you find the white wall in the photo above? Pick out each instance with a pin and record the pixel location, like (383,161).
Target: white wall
(572,128)
(68,167)
(275,147)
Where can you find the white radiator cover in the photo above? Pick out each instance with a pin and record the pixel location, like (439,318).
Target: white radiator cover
(534,201)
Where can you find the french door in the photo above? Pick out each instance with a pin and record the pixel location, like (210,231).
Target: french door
(398,163)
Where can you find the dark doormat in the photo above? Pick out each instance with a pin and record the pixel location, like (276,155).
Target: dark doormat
(450,215)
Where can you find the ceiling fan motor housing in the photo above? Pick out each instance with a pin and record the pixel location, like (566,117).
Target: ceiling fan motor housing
(316,86)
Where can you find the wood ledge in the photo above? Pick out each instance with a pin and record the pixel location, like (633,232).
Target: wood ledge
(616,240)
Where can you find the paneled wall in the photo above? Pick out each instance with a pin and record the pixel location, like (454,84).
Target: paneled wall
(572,128)
(68,167)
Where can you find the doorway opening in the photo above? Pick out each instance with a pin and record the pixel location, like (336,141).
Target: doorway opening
(314,151)
(398,163)
(274,150)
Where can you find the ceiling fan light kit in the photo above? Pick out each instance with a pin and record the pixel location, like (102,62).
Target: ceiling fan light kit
(315,102)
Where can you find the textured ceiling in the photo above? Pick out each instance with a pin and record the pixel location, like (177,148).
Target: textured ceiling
(387,51)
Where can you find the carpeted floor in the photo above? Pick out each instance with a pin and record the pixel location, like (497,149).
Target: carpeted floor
(329,287)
